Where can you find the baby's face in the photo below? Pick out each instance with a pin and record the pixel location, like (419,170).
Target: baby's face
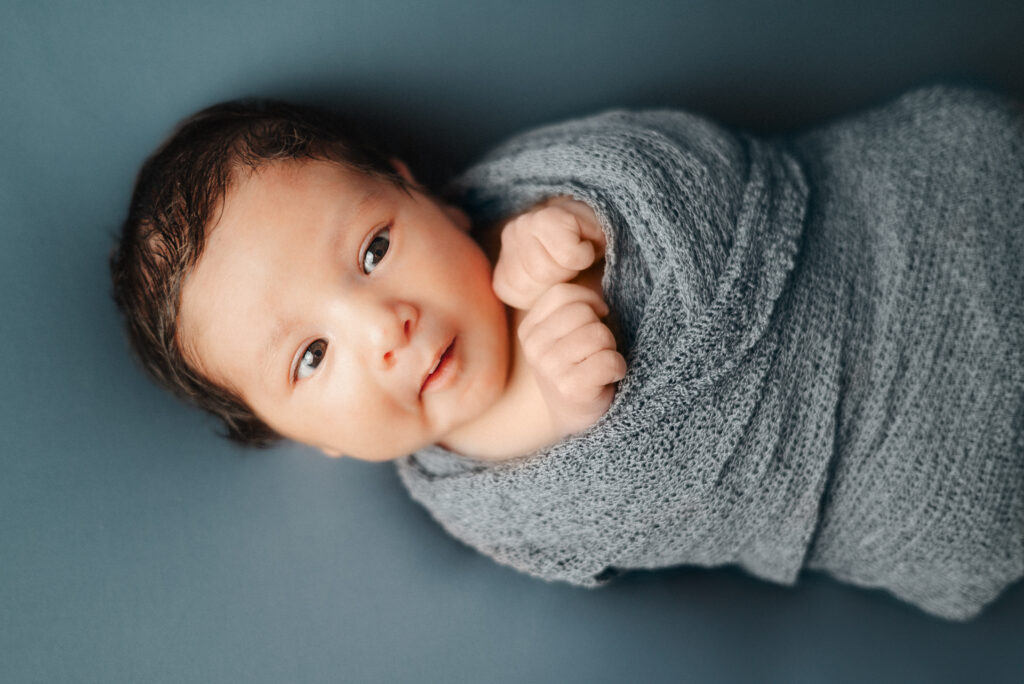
(348,314)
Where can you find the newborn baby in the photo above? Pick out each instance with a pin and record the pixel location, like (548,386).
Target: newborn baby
(823,335)
(357,315)
(271,263)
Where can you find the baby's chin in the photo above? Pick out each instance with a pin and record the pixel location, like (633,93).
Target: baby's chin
(398,449)
(381,453)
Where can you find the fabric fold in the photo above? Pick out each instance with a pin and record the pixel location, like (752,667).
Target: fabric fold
(824,343)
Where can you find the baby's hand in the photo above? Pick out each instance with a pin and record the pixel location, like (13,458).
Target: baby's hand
(573,355)
(544,246)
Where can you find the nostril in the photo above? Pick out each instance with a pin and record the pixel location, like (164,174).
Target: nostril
(408,324)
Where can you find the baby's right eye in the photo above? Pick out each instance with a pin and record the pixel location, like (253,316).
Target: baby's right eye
(376,250)
(311,359)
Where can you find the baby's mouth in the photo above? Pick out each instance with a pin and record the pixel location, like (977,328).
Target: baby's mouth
(441,371)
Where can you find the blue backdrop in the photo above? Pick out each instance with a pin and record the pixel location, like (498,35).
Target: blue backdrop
(137,546)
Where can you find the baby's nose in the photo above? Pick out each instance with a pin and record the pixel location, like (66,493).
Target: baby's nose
(390,330)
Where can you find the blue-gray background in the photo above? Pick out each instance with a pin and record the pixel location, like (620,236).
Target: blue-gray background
(137,546)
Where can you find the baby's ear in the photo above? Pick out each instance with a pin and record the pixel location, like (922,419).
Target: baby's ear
(457,216)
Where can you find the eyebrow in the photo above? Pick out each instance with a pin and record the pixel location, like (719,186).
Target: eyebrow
(270,355)
(274,342)
(368,198)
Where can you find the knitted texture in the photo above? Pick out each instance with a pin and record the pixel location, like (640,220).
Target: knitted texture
(825,349)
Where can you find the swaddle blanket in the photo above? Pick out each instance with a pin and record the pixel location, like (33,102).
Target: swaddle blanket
(825,342)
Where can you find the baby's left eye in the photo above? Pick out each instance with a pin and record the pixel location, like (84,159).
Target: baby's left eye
(376,250)
(311,359)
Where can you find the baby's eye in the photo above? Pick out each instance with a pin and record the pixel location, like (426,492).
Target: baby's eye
(376,250)
(311,358)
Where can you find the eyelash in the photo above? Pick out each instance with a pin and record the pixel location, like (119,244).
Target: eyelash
(317,353)
(384,232)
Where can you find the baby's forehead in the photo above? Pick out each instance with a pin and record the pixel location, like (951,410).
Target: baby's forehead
(297,174)
(295,185)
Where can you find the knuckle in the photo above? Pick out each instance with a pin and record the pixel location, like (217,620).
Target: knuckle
(613,366)
(603,334)
(580,311)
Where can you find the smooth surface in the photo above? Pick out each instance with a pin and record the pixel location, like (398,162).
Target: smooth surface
(140,547)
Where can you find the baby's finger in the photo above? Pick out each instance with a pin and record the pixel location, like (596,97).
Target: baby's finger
(560,294)
(555,298)
(567,353)
(606,366)
(590,378)
(585,341)
(565,245)
(581,344)
(541,338)
(540,264)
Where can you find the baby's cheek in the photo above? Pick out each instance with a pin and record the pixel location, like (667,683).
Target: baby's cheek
(379,429)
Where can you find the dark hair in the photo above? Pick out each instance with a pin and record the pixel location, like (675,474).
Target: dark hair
(178,192)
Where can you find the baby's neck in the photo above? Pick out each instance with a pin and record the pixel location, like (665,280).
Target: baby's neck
(517,424)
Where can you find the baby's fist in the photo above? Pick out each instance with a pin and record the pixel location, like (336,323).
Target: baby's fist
(545,246)
(573,355)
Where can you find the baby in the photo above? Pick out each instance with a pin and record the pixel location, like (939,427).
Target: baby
(299,284)
(824,334)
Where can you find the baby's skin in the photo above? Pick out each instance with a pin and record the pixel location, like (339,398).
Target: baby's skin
(363,319)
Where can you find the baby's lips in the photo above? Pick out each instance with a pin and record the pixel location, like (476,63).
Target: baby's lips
(436,362)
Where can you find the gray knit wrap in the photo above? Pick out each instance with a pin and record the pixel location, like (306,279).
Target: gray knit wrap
(825,342)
